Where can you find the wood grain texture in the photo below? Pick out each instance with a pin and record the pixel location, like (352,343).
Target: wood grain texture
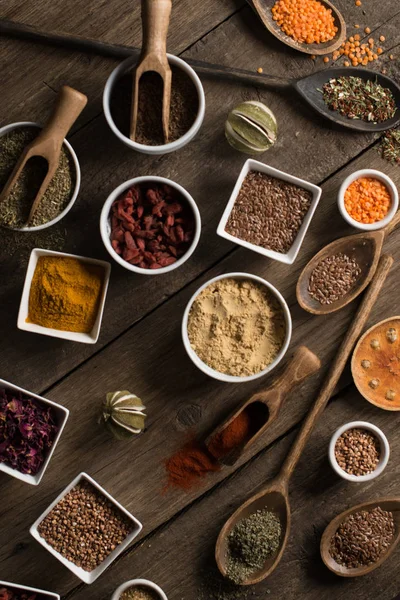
(140,347)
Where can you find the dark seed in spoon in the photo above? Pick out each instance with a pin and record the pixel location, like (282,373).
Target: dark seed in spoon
(333,278)
(363,538)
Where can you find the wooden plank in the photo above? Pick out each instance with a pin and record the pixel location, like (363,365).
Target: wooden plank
(207,168)
(149,360)
(180,557)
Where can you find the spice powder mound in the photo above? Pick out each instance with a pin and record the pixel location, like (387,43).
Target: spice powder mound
(363,538)
(236,327)
(268,212)
(85,527)
(65,294)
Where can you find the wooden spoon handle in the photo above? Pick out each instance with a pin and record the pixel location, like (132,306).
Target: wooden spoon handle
(155,22)
(303,364)
(337,366)
(68,107)
(393,224)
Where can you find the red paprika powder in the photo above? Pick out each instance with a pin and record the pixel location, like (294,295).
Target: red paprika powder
(188,465)
(232,437)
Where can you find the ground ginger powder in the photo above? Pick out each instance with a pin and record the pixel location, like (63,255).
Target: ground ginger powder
(236,327)
(65,294)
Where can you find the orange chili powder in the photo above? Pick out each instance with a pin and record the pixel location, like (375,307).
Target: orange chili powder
(305,20)
(367,200)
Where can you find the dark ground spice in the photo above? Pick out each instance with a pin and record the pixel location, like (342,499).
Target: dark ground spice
(183,109)
(14,210)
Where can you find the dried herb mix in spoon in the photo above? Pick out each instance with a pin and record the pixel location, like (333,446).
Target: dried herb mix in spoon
(356,98)
(14,210)
(251,542)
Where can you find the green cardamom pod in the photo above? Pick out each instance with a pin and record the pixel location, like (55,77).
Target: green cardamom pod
(123,414)
(251,127)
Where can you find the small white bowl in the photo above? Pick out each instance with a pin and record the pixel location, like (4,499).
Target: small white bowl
(85,338)
(375,175)
(136,583)
(105,224)
(223,376)
(23,588)
(61,415)
(87,576)
(384,451)
(127,65)
(254,165)
(11,127)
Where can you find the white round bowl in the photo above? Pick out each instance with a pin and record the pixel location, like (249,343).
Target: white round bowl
(11,127)
(125,66)
(390,186)
(384,448)
(223,376)
(139,582)
(105,225)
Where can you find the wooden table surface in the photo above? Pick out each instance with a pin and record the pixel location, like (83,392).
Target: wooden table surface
(140,348)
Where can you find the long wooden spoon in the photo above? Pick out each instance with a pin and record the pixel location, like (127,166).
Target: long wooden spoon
(263,10)
(389,504)
(69,105)
(275,496)
(365,248)
(306,87)
(264,406)
(155,21)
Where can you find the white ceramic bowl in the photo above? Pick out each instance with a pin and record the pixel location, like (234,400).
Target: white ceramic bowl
(223,376)
(384,449)
(105,225)
(87,576)
(61,415)
(11,127)
(376,175)
(253,165)
(127,65)
(145,583)
(23,588)
(85,338)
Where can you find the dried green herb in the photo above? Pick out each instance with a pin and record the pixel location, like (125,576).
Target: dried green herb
(251,542)
(14,210)
(356,98)
(390,146)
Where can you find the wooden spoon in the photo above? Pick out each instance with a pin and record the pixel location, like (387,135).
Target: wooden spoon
(263,10)
(365,248)
(69,105)
(389,504)
(275,495)
(265,405)
(155,21)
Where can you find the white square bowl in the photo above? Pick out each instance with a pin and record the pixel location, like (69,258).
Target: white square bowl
(87,576)
(61,415)
(23,588)
(85,338)
(254,165)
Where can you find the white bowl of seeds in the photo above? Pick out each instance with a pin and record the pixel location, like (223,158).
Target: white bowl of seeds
(63,189)
(139,589)
(359,451)
(269,211)
(237,327)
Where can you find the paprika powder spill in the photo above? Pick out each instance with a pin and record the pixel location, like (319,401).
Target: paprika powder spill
(188,465)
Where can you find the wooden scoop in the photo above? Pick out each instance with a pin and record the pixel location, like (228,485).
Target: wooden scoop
(263,10)
(365,248)
(155,21)
(275,496)
(264,406)
(389,504)
(69,104)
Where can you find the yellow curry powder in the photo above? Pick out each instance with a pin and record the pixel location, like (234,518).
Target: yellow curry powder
(65,294)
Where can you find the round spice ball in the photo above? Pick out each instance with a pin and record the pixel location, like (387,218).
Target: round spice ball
(251,127)
(357,452)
